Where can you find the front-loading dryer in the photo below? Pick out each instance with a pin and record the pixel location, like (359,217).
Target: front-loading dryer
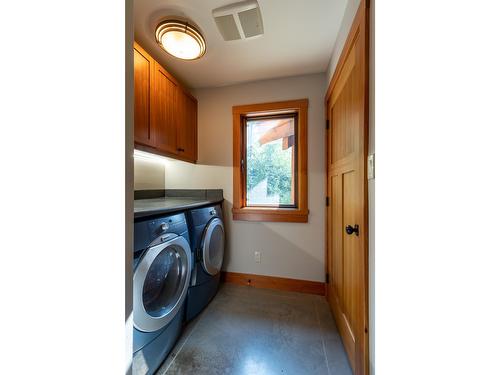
(206,231)
(162,273)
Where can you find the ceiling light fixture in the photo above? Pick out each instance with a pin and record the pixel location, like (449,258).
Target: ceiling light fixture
(180,39)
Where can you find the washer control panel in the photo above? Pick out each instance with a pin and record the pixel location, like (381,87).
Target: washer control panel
(169,224)
(145,232)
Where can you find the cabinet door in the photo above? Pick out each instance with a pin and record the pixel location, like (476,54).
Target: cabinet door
(164,111)
(143,91)
(187,127)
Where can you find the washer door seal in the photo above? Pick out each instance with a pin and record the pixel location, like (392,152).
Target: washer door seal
(213,246)
(161,280)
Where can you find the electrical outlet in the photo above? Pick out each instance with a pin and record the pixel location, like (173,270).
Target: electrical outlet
(257,256)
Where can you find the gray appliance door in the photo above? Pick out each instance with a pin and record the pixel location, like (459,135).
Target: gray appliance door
(213,246)
(161,281)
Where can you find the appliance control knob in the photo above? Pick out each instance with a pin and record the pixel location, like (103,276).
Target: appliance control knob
(164,227)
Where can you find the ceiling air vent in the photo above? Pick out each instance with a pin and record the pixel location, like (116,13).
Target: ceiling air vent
(239,21)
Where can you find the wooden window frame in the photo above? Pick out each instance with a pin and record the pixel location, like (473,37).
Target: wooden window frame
(297,214)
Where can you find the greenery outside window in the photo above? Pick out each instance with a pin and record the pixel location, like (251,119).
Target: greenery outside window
(270,161)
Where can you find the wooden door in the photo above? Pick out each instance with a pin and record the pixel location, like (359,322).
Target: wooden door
(144,134)
(347,226)
(165,109)
(187,126)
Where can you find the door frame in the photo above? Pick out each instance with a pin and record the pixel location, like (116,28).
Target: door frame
(360,27)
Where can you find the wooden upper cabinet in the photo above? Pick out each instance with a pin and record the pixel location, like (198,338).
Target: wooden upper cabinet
(143,92)
(187,146)
(165,114)
(165,108)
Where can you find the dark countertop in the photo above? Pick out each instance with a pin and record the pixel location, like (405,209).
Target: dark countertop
(158,202)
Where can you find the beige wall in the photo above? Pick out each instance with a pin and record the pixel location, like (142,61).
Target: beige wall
(148,173)
(294,250)
(349,13)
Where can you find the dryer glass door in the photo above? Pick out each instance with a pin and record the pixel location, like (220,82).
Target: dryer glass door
(213,246)
(160,284)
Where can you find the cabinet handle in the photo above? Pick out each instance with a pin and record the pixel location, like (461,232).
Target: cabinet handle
(180,149)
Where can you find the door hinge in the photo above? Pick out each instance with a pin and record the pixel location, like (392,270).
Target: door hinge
(327,201)
(327,124)
(327,278)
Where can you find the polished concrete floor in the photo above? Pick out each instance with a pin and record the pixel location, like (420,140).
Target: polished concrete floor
(247,331)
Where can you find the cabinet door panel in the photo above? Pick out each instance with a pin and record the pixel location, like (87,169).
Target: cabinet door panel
(143,90)
(164,111)
(165,115)
(187,127)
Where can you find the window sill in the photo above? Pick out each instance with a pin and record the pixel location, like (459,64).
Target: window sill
(287,215)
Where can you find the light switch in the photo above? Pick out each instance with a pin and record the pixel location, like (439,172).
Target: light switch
(371,166)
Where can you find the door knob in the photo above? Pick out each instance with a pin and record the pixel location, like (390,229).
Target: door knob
(350,229)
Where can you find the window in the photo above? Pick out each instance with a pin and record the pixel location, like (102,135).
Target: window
(270,164)
(270,161)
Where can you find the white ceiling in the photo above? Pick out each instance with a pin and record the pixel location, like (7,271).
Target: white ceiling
(298,39)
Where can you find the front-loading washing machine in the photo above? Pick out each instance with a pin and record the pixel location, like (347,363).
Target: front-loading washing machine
(206,231)
(162,273)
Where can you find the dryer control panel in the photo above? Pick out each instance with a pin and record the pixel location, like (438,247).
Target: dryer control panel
(201,216)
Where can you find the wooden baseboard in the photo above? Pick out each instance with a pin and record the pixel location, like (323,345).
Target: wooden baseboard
(271,282)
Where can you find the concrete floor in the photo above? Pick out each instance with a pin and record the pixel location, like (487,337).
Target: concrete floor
(247,331)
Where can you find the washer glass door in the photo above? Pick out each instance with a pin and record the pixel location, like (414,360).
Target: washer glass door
(213,246)
(163,284)
(160,284)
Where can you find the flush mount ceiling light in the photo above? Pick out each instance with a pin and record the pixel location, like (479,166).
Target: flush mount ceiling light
(180,39)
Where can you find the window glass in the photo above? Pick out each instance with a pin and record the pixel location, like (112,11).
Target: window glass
(270,161)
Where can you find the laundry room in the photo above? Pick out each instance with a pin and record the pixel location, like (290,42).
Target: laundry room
(189,187)
(229,177)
